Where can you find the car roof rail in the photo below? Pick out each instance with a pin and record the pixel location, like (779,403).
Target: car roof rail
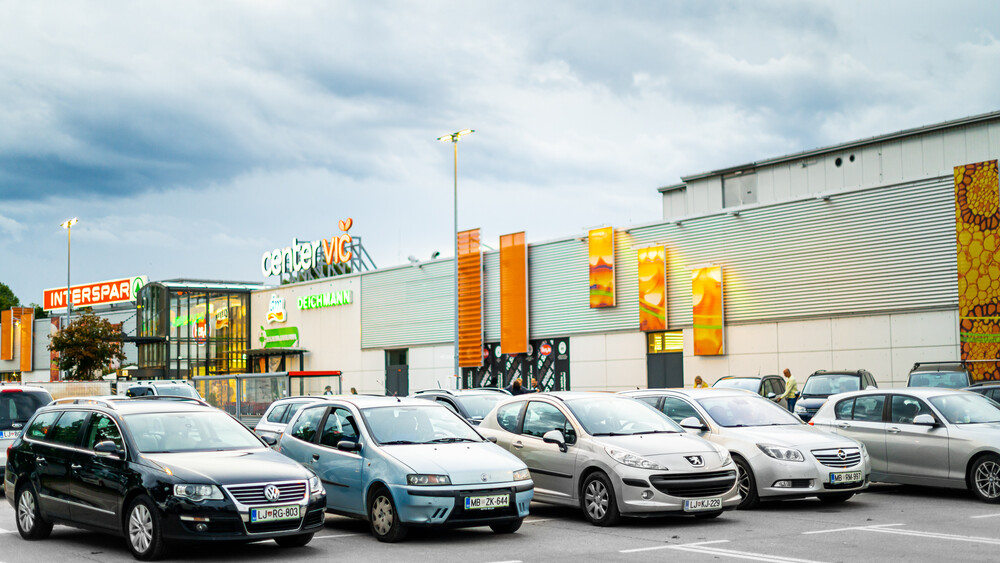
(959,362)
(445,391)
(494,389)
(84,401)
(175,398)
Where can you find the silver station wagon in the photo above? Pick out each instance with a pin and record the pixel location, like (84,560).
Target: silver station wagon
(612,456)
(923,436)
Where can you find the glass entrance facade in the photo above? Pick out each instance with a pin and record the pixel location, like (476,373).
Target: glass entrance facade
(190,328)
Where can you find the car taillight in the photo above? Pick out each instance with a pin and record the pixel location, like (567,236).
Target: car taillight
(9,448)
(811,423)
(11,390)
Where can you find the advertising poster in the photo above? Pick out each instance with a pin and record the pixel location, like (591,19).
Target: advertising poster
(706,298)
(602,267)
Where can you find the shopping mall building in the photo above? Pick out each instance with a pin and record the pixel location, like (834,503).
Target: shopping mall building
(872,254)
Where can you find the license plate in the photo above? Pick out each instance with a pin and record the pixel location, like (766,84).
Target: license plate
(273,513)
(846,477)
(9,434)
(699,504)
(487,502)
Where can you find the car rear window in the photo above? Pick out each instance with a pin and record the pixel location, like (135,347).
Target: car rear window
(826,385)
(276,413)
(17,407)
(950,380)
(745,383)
(40,427)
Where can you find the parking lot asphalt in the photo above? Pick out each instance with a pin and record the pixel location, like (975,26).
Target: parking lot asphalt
(887,523)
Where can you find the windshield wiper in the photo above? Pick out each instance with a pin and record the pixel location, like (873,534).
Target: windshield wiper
(450,440)
(656,432)
(611,434)
(399,443)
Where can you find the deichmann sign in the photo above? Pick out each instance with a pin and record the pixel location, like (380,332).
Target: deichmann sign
(100,293)
(302,256)
(319,300)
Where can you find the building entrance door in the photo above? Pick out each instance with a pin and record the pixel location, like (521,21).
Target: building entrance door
(665,370)
(397,373)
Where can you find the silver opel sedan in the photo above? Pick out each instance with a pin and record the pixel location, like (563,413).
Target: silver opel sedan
(778,456)
(923,436)
(612,456)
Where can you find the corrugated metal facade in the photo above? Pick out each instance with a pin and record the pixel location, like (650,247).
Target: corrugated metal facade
(876,250)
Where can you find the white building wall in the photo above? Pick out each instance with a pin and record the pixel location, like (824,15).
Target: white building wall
(885,345)
(608,362)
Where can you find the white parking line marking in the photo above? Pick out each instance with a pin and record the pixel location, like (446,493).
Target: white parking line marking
(851,528)
(985,516)
(340,536)
(935,535)
(511,561)
(703,549)
(537,520)
(2,531)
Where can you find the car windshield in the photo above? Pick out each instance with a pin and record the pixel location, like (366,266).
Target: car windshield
(16,407)
(480,405)
(195,431)
(413,424)
(745,383)
(967,409)
(948,379)
(619,416)
(826,385)
(177,391)
(736,412)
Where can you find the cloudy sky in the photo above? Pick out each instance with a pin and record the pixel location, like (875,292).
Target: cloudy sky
(190,137)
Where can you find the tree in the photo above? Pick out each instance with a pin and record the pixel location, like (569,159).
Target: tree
(39,312)
(87,346)
(7,298)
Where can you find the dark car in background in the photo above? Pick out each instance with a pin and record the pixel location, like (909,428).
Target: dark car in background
(821,384)
(157,472)
(18,404)
(951,375)
(988,389)
(768,386)
(470,404)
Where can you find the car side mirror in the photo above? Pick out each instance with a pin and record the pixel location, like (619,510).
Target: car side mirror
(348,446)
(107,447)
(772,395)
(692,423)
(870,387)
(491,439)
(269,440)
(555,437)
(924,420)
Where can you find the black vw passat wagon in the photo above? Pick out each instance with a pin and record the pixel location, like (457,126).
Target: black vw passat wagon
(157,471)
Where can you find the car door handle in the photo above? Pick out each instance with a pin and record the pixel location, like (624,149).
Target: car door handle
(41,461)
(315,457)
(844,425)
(518,444)
(893,430)
(75,466)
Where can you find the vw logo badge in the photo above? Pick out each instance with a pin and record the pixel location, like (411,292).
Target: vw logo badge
(695,460)
(841,454)
(271,493)
(484,477)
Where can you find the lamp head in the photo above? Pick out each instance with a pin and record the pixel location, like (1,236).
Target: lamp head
(69,223)
(454,137)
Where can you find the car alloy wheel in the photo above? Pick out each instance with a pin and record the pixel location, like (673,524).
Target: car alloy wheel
(30,523)
(26,510)
(987,479)
(140,528)
(596,499)
(746,483)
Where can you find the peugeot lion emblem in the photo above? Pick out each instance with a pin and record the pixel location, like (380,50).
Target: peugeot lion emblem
(271,493)
(841,454)
(695,460)
(484,477)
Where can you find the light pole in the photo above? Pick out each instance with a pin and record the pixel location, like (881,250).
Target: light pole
(68,225)
(454,137)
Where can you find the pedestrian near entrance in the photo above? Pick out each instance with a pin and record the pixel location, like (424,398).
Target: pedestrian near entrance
(699,383)
(791,390)
(327,390)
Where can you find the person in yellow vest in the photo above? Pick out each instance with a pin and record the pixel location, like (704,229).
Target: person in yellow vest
(791,390)
(699,383)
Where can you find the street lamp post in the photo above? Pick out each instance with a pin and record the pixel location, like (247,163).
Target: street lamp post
(68,225)
(454,137)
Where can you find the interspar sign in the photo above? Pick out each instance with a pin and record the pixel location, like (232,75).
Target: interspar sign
(100,293)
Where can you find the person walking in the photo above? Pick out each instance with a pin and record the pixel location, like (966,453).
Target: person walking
(791,390)
(699,383)
(327,390)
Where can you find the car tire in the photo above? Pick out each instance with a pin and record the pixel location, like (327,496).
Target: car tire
(294,541)
(747,483)
(708,515)
(984,479)
(507,527)
(30,523)
(835,498)
(143,529)
(597,499)
(383,517)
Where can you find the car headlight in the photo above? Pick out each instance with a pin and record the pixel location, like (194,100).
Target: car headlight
(315,486)
(421,479)
(784,454)
(864,450)
(630,459)
(800,408)
(727,458)
(522,475)
(197,493)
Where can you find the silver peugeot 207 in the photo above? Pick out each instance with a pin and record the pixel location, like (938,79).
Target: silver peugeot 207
(612,456)
(779,457)
(923,436)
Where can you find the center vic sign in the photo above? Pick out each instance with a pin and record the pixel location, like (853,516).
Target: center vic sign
(90,294)
(303,256)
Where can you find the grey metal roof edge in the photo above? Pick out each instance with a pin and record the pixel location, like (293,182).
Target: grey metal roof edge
(671,188)
(848,145)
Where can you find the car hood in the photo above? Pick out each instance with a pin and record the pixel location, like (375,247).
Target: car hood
(792,436)
(464,462)
(230,467)
(669,450)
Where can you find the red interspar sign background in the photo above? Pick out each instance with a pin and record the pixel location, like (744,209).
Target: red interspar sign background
(99,293)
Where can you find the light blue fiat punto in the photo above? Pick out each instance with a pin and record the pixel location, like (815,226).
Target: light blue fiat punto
(402,463)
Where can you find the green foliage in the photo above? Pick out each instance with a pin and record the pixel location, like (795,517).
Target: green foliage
(87,346)
(39,312)
(7,298)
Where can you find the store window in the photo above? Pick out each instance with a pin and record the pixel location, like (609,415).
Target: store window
(664,342)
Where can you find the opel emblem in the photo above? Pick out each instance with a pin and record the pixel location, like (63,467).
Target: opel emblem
(695,460)
(484,477)
(841,454)
(272,493)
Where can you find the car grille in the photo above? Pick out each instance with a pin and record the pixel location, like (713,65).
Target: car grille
(832,458)
(254,494)
(693,485)
(279,526)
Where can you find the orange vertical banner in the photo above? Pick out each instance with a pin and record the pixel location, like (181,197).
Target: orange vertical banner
(977,233)
(602,267)
(706,297)
(513,294)
(6,335)
(27,337)
(470,300)
(652,288)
